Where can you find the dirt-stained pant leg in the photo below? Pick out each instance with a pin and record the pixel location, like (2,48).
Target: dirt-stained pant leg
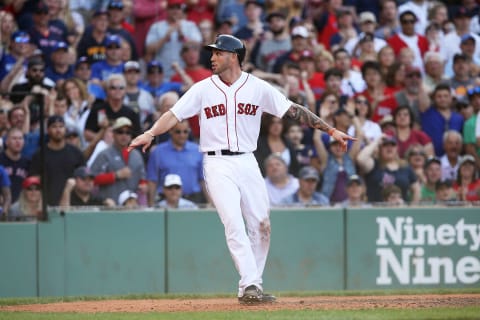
(224,176)
(256,211)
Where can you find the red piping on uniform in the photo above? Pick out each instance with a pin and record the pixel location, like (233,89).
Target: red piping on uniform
(235,100)
(226,109)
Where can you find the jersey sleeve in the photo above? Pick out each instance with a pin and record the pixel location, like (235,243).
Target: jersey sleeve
(189,104)
(274,101)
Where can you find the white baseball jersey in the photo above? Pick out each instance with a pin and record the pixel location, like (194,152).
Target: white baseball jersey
(230,116)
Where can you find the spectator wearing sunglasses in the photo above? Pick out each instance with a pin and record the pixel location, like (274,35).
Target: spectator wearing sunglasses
(13,61)
(115,168)
(104,112)
(113,62)
(407,37)
(180,156)
(172,194)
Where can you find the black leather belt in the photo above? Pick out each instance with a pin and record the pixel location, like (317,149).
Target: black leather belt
(224,153)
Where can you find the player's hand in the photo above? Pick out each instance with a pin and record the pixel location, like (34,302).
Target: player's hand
(144,140)
(342,138)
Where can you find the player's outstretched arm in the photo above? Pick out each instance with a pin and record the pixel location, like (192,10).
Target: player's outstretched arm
(162,125)
(305,116)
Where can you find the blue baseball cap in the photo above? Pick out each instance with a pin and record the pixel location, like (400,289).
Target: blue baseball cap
(154,65)
(20,37)
(115,4)
(113,39)
(61,46)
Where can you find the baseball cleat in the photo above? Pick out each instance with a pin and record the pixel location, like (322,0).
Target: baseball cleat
(254,296)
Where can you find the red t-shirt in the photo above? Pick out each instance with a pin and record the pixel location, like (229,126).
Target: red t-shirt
(416,137)
(384,107)
(472,190)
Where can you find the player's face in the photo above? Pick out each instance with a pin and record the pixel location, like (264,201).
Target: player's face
(222,61)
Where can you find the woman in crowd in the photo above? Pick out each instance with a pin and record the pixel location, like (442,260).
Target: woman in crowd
(272,140)
(78,103)
(29,204)
(395,76)
(407,135)
(416,158)
(371,130)
(386,169)
(467,185)
(386,58)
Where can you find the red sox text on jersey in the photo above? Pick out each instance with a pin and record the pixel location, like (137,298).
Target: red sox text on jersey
(221,110)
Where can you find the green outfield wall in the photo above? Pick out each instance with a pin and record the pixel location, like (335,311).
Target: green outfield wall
(120,252)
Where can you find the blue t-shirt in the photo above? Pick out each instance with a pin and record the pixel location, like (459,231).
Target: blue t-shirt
(187,163)
(4,179)
(102,70)
(435,125)
(6,65)
(55,76)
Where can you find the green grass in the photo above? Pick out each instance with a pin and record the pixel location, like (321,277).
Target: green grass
(435,313)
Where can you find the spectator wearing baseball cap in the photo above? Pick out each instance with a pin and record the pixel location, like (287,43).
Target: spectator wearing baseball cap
(306,195)
(45,31)
(433,174)
(172,194)
(355,193)
(19,47)
(128,200)
(60,68)
(118,25)
(92,44)
(368,25)
(386,162)
(115,168)
(61,159)
(113,63)
(453,40)
(299,42)
(29,204)
(137,98)
(78,191)
(156,83)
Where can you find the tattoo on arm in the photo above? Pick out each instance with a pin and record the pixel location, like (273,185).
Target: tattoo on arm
(305,116)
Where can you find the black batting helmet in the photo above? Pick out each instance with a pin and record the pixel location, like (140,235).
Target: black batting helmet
(226,42)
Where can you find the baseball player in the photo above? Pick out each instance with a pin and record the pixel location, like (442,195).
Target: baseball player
(230,104)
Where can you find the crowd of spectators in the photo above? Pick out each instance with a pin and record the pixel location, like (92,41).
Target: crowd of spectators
(402,76)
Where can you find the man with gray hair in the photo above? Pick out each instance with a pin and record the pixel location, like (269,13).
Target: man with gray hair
(452,144)
(434,65)
(105,112)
